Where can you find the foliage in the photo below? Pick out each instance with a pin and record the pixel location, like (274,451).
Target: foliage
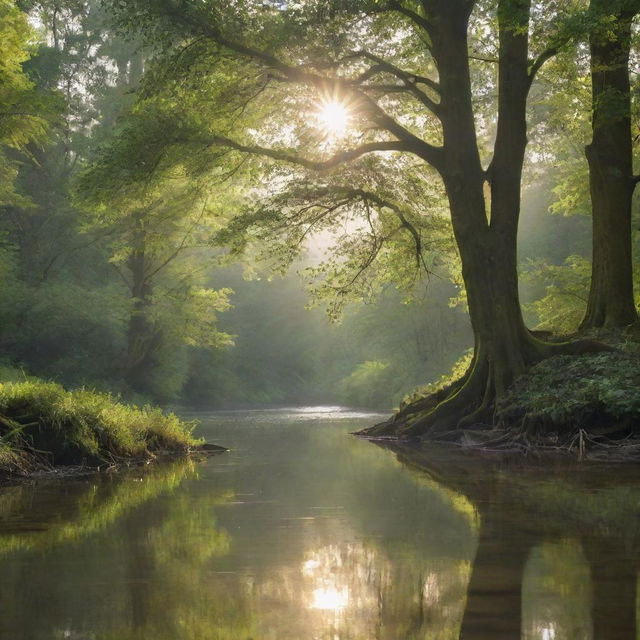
(370,384)
(85,426)
(25,113)
(591,392)
(567,288)
(459,368)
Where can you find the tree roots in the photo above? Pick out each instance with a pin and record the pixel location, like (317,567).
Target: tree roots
(465,412)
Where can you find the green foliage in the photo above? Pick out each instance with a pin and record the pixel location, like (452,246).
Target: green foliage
(459,368)
(562,307)
(589,391)
(370,384)
(82,425)
(24,111)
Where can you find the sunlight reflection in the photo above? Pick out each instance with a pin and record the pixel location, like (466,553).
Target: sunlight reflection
(330,599)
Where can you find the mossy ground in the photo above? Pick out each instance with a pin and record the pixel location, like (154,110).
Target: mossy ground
(42,425)
(587,404)
(599,393)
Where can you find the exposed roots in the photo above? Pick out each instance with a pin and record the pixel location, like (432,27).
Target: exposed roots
(465,411)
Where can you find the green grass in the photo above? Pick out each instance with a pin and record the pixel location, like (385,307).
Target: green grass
(42,423)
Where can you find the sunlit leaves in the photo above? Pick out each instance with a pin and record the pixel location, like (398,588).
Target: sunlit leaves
(24,112)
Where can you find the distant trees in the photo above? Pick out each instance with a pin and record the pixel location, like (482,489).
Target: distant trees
(213,127)
(25,112)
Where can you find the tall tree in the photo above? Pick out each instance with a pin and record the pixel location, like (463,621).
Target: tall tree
(611,180)
(405,71)
(158,234)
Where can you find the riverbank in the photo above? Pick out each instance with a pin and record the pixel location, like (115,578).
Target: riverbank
(46,429)
(586,405)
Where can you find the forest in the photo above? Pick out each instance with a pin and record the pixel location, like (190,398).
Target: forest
(438,215)
(319,319)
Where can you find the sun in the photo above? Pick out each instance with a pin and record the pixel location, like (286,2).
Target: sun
(333,118)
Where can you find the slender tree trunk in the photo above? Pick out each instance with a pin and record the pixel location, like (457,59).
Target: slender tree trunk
(611,301)
(142,335)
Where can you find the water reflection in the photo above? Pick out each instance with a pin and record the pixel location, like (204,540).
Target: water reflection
(557,555)
(302,533)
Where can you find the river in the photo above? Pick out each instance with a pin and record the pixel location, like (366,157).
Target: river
(302,532)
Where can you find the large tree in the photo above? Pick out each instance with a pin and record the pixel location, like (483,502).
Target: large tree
(611,179)
(404,70)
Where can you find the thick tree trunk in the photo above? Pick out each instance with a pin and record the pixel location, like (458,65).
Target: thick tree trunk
(486,234)
(487,239)
(611,300)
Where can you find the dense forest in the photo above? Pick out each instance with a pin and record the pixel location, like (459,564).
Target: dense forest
(424,205)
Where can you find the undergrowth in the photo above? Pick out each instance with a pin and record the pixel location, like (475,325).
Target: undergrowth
(596,392)
(42,425)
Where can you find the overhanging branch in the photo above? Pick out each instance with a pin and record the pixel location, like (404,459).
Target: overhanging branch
(538,63)
(316,165)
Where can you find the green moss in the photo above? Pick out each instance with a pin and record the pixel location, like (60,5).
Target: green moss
(458,370)
(594,392)
(76,427)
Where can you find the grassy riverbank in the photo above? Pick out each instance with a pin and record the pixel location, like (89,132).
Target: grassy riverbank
(42,425)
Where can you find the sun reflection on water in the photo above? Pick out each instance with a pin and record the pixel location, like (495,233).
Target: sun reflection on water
(330,598)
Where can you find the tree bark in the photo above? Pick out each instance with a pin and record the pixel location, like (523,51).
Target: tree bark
(486,235)
(611,301)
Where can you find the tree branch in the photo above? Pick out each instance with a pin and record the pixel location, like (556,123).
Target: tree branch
(410,81)
(537,64)
(422,149)
(432,153)
(416,18)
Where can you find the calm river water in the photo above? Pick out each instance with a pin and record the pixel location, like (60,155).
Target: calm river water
(304,533)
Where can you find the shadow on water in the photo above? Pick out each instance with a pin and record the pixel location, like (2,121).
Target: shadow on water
(302,533)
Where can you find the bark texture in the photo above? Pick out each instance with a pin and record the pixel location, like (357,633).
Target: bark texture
(611,301)
(486,233)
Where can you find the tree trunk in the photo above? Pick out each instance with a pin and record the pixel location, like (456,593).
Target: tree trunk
(486,239)
(611,301)
(142,336)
